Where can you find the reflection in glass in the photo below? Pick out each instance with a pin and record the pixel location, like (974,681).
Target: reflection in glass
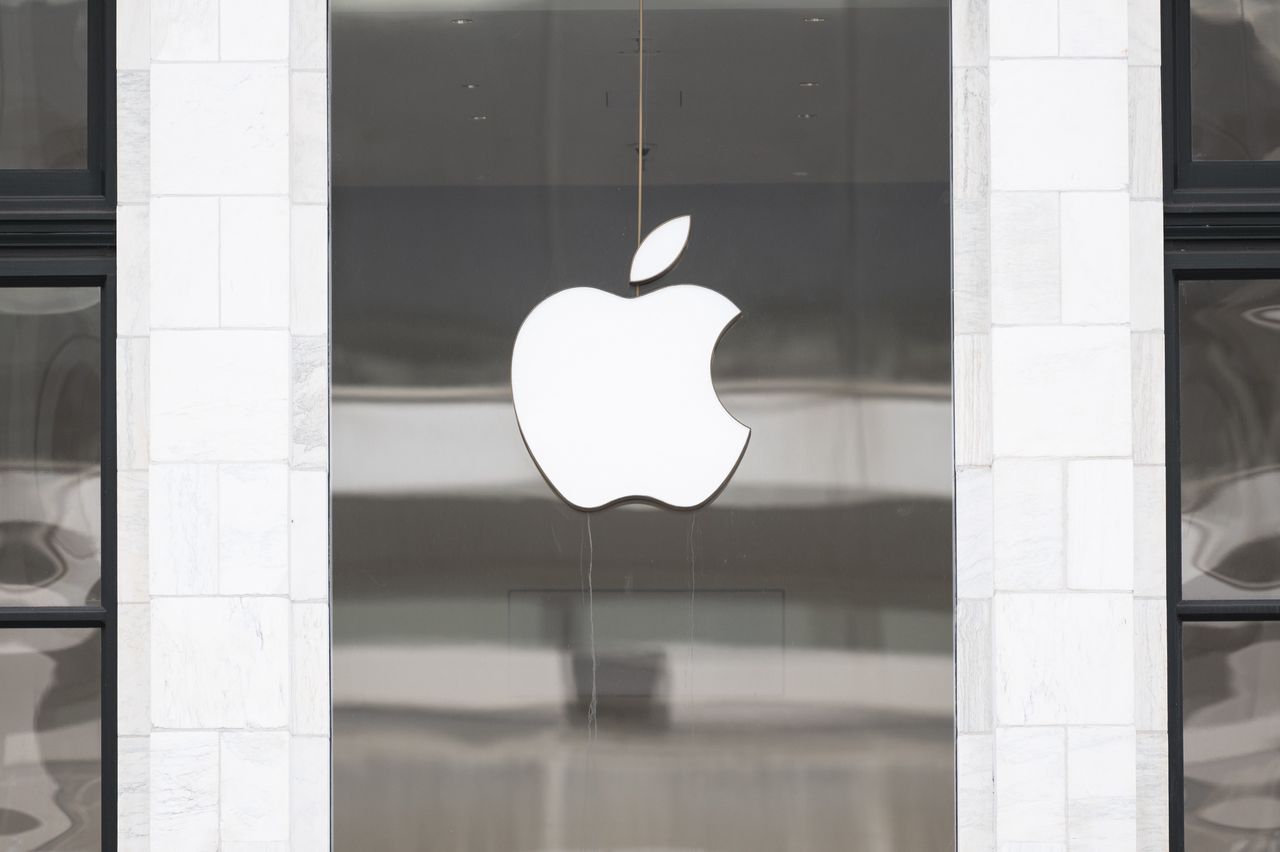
(51,739)
(1229,418)
(50,446)
(772,672)
(44,99)
(1231,713)
(1235,80)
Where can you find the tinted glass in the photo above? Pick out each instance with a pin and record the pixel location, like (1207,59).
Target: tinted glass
(1229,418)
(1235,79)
(1231,712)
(51,739)
(50,446)
(770,672)
(44,100)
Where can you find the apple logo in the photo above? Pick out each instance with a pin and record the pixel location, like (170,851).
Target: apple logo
(613,395)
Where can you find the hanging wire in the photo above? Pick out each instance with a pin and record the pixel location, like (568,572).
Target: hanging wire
(640,135)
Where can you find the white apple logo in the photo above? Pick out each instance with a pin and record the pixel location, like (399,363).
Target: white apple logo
(613,395)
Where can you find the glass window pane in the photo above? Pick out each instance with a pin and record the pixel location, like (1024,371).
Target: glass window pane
(771,672)
(50,446)
(1235,79)
(1229,421)
(44,103)
(1231,713)
(51,739)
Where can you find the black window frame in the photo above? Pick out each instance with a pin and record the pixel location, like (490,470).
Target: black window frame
(1221,222)
(1224,259)
(75,199)
(58,228)
(85,269)
(1248,189)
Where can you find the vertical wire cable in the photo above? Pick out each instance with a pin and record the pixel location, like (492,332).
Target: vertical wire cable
(640,135)
(593,719)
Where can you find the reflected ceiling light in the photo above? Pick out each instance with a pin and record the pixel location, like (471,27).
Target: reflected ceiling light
(462,21)
(479,118)
(809,84)
(815,20)
(807,115)
(1267,316)
(470,85)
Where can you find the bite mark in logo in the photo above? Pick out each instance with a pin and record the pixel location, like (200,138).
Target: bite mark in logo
(613,395)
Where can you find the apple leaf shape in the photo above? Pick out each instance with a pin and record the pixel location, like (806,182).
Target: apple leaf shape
(661,250)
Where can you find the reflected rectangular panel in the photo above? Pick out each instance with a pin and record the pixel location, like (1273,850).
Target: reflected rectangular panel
(1231,712)
(50,446)
(51,739)
(734,643)
(1228,415)
(44,84)
(1235,80)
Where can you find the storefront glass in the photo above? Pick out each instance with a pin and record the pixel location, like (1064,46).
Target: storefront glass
(51,738)
(1235,80)
(1229,427)
(44,84)
(1231,704)
(50,446)
(773,671)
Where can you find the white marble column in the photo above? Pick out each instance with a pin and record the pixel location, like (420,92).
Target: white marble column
(223,416)
(1059,425)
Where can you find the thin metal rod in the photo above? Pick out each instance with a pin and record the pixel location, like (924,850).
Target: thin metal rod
(640,135)
(55,616)
(1228,610)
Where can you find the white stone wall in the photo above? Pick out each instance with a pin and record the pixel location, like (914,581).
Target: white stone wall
(1059,425)
(223,418)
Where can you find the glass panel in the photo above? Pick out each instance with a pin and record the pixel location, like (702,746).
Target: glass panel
(1231,712)
(51,739)
(50,446)
(1235,80)
(1229,422)
(44,92)
(771,672)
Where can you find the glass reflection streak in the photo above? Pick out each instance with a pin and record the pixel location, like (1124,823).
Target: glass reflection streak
(50,446)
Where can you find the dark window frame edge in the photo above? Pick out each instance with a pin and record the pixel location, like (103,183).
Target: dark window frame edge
(91,191)
(91,268)
(1196,261)
(1192,186)
(58,227)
